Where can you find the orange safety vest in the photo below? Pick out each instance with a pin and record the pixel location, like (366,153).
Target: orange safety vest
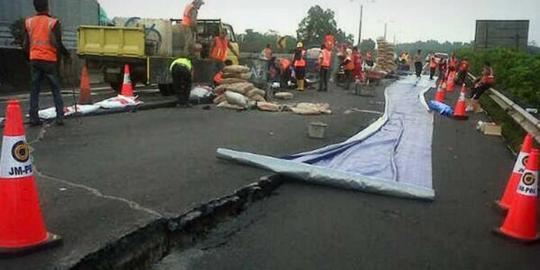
(326,58)
(41,38)
(350,65)
(453,62)
(187,20)
(284,64)
(219,52)
(464,66)
(300,63)
(433,62)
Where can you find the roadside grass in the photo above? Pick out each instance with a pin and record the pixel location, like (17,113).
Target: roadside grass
(512,132)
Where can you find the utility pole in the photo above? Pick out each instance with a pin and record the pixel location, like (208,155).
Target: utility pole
(360,26)
(385,29)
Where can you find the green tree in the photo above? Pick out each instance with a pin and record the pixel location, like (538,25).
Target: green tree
(367,45)
(317,24)
(253,41)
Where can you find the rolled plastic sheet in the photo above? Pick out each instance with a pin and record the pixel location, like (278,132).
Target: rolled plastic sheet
(390,157)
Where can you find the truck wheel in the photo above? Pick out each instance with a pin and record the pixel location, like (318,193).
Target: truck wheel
(166,89)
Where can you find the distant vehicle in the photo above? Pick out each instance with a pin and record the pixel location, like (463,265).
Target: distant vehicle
(441,56)
(149,46)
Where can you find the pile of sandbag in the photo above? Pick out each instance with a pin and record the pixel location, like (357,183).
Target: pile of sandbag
(235,90)
(385,56)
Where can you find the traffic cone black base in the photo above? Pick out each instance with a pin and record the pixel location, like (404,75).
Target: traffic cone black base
(463,118)
(52,241)
(498,232)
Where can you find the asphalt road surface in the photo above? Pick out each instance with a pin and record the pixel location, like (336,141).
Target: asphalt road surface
(313,227)
(101,178)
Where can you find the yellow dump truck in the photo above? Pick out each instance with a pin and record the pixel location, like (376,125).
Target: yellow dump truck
(148,46)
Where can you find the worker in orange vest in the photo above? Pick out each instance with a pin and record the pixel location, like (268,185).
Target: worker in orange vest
(348,65)
(329,41)
(481,85)
(189,25)
(453,63)
(299,62)
(218,78)
(220,48)
(42,43)
(463,71)
(267,56)
(432,65)
(285,71)
(358,62)
(325,61)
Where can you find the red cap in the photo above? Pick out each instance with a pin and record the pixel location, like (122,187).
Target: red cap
(14,120)
(532,163)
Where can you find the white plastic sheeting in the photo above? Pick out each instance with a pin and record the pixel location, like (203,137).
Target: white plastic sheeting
(391,157)
(50,113)
(119,102)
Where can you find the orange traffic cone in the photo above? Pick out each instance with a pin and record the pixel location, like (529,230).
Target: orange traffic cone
(127,87)
(85,96)
(459,110)
(440,95)
(521,222)
(509,193)
(22,229)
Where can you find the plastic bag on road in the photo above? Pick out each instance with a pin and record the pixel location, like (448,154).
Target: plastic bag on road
(119,102)
(441,108)
(50,113)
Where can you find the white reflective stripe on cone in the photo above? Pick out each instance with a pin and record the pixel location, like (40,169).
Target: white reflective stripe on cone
(528,186)
(15,160)
(521,162)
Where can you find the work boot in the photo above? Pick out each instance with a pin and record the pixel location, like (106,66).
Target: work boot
(36,123)
(300,85)
(59,121)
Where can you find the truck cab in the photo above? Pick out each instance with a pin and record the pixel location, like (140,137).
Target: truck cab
(149,46)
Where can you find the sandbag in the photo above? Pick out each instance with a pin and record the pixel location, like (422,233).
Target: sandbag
(232,80)
(236,99)
(243,76)
(258,98)
(256,92)
(241,88)
(312,108)
(235,69)
(227,105)
(284,95)
(268,107)
(219,99)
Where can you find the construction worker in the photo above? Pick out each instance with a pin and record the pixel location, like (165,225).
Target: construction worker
(189,25)
(329,41)
(463,71)
(358,62)
(453,63)
(348,66)
(443,67)
(218,78)
(418,63)
(266,56)
(285,71)
(42,44)
(220,47)
(481,85)
(299,63)
(432,65)
(325,62)
(182,72)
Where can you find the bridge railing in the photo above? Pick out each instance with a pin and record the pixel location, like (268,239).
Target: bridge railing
(526,120)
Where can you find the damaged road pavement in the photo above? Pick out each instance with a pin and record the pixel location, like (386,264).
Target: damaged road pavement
(117,187)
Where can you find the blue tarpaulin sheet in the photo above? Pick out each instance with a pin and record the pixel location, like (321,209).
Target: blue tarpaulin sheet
(391,157)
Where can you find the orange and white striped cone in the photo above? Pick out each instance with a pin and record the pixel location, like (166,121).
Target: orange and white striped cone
(127,87)
(521,222)
(441,94)
(85,94)
(510,192)
(22,228)
(459,110)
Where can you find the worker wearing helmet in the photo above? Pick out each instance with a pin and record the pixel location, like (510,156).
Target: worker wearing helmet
(299,63)
(189,25)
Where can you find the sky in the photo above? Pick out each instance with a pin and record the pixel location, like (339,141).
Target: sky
(408,20)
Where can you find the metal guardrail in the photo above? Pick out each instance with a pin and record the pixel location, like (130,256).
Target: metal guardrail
(526,120)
